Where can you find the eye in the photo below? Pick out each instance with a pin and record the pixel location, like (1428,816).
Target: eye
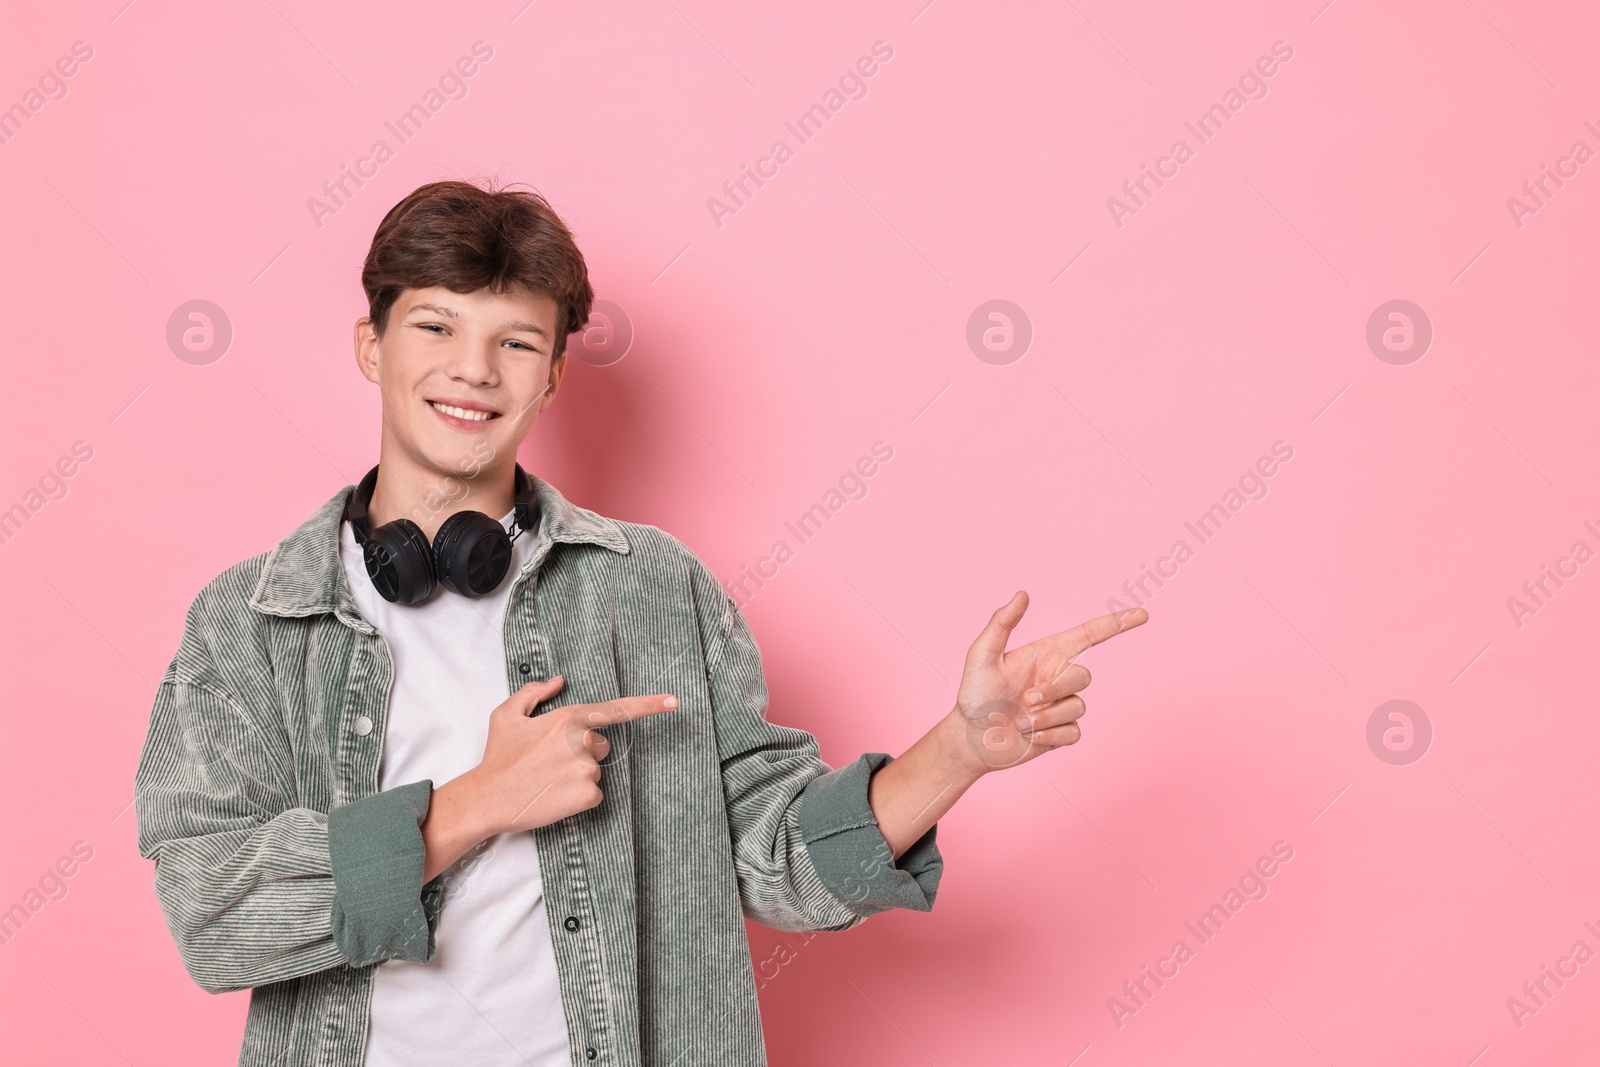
(524,347)
(430,327)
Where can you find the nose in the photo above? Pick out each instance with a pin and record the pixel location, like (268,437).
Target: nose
(471,362)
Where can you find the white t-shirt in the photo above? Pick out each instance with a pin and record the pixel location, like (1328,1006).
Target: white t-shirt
(489,997)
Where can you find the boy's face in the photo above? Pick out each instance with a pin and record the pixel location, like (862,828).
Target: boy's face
(461,375)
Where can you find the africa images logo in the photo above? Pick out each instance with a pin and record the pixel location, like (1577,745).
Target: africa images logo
(1252,885)
(851,85)
(1252,85)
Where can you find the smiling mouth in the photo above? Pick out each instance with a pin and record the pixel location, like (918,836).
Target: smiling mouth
(466,414)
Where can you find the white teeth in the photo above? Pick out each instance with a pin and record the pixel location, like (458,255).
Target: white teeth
(460,413)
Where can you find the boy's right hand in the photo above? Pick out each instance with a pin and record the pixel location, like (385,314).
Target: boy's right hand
(537,770)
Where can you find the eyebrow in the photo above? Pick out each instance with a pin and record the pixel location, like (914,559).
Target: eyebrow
(511,324)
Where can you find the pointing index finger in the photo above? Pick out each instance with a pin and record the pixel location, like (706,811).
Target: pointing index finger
(1088,634)
(626,709)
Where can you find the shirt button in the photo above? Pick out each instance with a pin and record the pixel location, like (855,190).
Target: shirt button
(524,668)
(572,922)
(591,1053)
(363,726)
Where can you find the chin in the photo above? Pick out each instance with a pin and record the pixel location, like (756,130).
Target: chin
(468,462)
(454,458)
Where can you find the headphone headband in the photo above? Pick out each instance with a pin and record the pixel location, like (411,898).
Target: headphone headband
(525,512)
(355,511)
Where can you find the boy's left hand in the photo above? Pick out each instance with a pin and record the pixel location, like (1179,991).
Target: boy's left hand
(1015,705)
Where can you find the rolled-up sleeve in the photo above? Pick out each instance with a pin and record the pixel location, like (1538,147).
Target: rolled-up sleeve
(807,849)
(375,857)
(256,888)
(849,851)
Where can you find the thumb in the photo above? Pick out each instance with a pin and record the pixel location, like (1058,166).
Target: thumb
(991,643)
(524,700)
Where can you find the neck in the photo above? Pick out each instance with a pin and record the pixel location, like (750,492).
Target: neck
(428,497)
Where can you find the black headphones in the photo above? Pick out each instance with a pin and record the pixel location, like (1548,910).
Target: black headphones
(470,554)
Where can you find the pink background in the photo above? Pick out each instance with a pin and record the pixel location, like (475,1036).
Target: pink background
(772,351)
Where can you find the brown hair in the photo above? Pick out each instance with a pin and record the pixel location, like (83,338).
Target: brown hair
(466,238)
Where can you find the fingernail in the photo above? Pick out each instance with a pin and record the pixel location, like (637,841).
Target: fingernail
(670,702)
(1035,697)
(1033,724)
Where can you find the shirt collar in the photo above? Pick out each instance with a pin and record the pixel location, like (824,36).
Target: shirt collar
(303,576)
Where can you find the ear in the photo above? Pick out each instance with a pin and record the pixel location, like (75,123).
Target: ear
(367,361)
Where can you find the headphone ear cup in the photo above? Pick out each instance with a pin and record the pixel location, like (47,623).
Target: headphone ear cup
(472,552)
(400,562)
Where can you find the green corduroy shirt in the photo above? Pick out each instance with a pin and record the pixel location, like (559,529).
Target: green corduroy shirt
(280,867)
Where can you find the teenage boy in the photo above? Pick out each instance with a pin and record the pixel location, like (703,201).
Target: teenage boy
(361,727)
